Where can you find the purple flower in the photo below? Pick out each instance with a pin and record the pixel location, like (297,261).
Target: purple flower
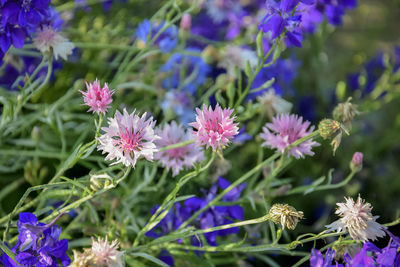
(318,260)
(217,215)
(167,40)
(280,17)
(11,35)
(38,244)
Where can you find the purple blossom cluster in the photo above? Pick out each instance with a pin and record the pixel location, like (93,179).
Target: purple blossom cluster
(367,256)
(211,217)
(20,19)
(38,244)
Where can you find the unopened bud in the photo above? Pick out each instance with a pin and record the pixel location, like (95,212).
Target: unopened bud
(327,128)
(356,161)
(209,54)
(186,22)
(286,215)
(35,134)
(100,181)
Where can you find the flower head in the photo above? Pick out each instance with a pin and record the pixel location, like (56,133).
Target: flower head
(357,219)
(214,128)
(179,158)
(284,130)
(38,244)
(48,39)
(318,260)
(128,137)
(273,103)
(286,215)
(105,254)
(97,98)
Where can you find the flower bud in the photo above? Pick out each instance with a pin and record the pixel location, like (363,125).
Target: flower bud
(209,54)
(186,22)
(327,128)
(100,181)
(356,162)
(35,134)
(286,215)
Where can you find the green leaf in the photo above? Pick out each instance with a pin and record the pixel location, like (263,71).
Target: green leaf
(6,250)
(150,258)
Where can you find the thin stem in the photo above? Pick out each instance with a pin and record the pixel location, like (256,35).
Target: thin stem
(177,145)
(228,189)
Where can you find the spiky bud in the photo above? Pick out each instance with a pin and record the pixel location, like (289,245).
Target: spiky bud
(286,215)
(327,128)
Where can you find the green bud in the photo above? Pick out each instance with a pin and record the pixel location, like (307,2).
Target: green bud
(327,128)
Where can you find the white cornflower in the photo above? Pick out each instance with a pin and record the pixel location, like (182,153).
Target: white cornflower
(49,39)
(357,219)
(105,254)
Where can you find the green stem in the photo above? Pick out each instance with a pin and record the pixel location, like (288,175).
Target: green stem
(177,145)
(162,211)
(228,189)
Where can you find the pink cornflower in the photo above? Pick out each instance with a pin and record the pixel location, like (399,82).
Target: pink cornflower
(284,130)
(97,98)
(357,218)
(214,128)
(128,137)
(179,158)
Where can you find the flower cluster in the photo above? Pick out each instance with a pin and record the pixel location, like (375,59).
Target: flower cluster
(211,217)
(179,158)
(368,256)
(38,244)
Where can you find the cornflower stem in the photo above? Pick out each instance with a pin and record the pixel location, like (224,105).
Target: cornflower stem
(173,236)
(177,145)
(228,189)
(243,95)
(169,200)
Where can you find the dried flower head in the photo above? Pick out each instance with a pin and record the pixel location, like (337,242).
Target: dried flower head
(178,158)
(286,215)
(49,39)
(214,128)
(128,137)
(81,259)
(97,98)
(357,219)
(345,112)
(106,254)
(273,103)
(286,129)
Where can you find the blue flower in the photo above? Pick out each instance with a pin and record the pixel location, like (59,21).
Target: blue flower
(318,260)
(283,70)
(193,68)
(217,215)
(38,244)
(181,104)
(167,40)
(280,18)
(11,35)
